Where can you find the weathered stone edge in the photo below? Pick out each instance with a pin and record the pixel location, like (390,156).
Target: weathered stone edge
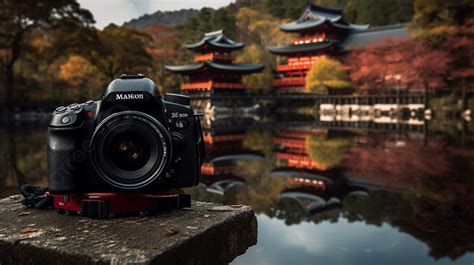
(208,246)
(12,252)
(217,248)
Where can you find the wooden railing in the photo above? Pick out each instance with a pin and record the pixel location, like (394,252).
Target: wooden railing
(212,56)
(288,67)
(289,81)
(209,85)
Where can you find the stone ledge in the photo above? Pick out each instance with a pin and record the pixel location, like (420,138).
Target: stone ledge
(204,234)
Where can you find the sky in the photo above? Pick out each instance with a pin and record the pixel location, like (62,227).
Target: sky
(120,11)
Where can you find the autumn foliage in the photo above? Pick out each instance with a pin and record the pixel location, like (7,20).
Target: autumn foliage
(415,64)
(405,64)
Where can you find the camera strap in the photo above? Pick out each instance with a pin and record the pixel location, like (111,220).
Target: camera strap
(36,197)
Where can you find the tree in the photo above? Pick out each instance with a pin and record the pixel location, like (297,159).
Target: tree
(372,12)
(20,18)
(257,82)
(406,64)
(162,48)
(379,13)
(117,50)
(431,15)
(325,74)
(261,30)
(327,153)
(76,71)
(286,9)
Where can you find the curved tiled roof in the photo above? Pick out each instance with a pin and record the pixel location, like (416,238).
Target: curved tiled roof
(216,39)
(226,67)
(315,16)
(361,39)
(287,49)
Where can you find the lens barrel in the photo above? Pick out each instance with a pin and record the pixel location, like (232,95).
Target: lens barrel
(130,150)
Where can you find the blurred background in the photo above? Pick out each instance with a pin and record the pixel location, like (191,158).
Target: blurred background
(353,146)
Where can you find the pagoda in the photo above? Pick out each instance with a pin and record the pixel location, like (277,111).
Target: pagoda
(319,31)
(213,69)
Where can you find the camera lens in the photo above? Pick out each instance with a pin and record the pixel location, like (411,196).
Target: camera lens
(130,150)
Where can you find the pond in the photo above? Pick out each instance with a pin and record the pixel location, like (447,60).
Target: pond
(323,192)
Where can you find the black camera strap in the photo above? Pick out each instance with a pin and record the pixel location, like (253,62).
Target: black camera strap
(36,197)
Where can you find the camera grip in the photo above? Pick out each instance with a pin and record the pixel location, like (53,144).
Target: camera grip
(64,158)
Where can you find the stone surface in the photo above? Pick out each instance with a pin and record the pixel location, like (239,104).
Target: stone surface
(204,234)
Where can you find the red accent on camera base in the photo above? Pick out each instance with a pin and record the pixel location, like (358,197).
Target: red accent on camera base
(103,204)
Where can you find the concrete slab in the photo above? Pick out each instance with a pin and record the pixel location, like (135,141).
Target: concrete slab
(204,234)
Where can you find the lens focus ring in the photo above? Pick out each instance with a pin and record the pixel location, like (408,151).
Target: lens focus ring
(130,150)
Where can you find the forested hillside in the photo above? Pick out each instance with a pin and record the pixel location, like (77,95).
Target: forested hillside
(373,12)
(167,17)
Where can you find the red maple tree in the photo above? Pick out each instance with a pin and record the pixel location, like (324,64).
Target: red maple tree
(399,64)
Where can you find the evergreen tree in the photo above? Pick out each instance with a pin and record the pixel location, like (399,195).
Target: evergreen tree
(374,12)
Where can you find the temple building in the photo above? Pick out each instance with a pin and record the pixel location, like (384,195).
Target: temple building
(213,70)
(321,31)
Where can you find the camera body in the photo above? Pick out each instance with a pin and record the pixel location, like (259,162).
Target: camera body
(130,141)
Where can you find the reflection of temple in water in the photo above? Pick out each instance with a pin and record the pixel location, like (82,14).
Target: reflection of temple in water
(292,151)
(403,179)
(323,160)
(223,139)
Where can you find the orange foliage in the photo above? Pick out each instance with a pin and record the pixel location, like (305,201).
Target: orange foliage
(164,42)
(75,70)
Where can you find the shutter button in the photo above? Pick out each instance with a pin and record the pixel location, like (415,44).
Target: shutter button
(74,106)
(66,119)
(60,109)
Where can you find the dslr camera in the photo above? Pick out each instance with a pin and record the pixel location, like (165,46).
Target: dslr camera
(130,141)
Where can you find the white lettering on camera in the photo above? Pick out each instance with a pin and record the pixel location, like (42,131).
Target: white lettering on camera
(128,96)
(179,115)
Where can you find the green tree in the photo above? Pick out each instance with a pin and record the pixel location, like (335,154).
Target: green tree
(259,30)
(434,20)
(257,82)
(18,18)
(374,12)
(325,74)
(379,13)
(116,50)
(286,9)
(327,153)
(434,13)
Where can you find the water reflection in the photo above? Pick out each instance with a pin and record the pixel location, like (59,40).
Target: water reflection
(328,190)
(398,193)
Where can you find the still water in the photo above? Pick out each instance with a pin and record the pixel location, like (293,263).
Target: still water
(324,193)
